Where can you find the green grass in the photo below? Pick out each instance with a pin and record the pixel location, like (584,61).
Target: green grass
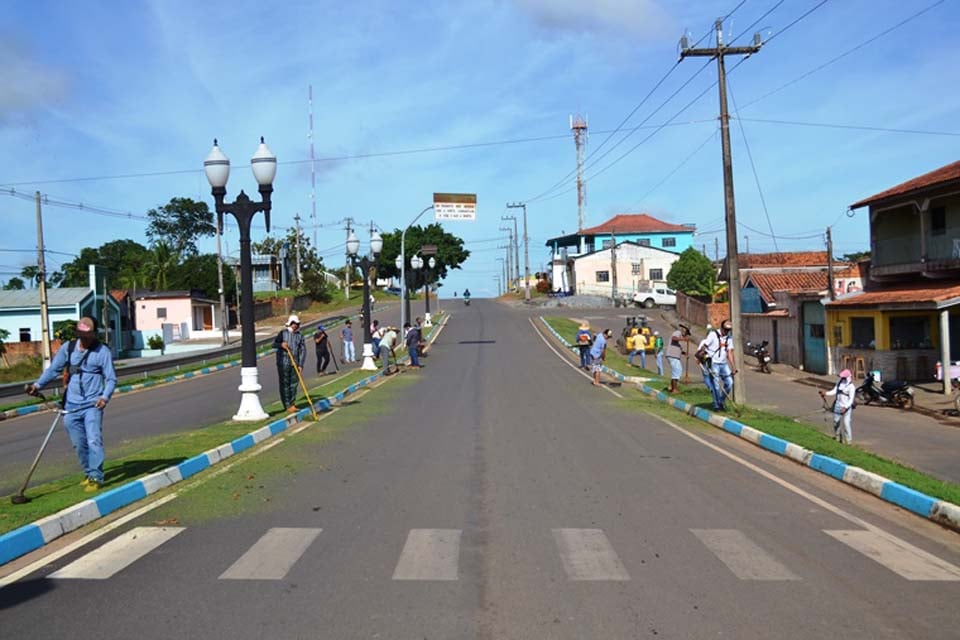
(804,434)
(27,369)
(148,455)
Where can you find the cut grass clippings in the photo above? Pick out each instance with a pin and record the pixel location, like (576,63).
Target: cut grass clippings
(153,454)
(801,433)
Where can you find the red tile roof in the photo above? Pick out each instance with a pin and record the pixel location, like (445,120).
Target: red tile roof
(796,282)
(944,174)
(635,223)
(858,270)
(932,292)
(784,259)
(118,294)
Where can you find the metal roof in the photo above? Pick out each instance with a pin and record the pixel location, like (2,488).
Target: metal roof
(56,297)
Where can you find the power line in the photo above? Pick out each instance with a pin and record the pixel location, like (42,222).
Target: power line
(789,26)
(844,54)
(639,203)
(827,125)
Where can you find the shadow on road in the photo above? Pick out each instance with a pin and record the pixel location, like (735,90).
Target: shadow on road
(23,591)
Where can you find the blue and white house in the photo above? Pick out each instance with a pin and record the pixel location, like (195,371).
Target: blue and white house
(639,229)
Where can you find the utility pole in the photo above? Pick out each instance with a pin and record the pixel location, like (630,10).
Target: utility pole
(299,276)
(509,255)
(579,127)
(526,249)
(733,268)
(716,249)
(346,271)
(830,288)
(516,248)
(42,274)
(747,240)
(613,268)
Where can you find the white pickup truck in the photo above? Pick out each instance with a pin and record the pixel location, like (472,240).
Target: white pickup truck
(656,296)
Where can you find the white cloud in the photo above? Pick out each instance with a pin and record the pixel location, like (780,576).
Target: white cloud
(644,18)
(27,83)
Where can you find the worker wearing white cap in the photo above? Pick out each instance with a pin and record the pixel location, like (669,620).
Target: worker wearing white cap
(289,342)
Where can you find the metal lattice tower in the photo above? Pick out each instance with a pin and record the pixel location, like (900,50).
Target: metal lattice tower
(313,173)
(579,127)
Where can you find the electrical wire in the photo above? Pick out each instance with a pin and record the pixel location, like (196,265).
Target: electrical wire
(827,125)
(791,25)
(640,202)
(844,54)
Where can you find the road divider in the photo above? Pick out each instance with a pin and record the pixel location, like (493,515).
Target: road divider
(35,535)
(940,511)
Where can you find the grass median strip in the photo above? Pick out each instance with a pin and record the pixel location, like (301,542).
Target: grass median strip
(804,434)
(149,455)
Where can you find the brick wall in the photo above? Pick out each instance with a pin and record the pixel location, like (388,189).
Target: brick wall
(694,312)
(17,351)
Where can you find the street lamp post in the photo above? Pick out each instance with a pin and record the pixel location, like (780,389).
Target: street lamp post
(353,247)
(217,168)
(431,264)
(416,263)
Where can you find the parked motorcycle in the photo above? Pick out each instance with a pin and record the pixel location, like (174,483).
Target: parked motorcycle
(893,392)
(762,354)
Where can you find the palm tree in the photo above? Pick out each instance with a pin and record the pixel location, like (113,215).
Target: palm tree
(31,274)
(163,259)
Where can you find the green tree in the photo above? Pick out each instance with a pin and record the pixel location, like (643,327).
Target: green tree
(4,334)
(856,256)
(14,284)
(180,223)
(309,260)
(161,263)
(692,273)
(450,253)
(200,273)
(31,274)
(315,285)
(76,272)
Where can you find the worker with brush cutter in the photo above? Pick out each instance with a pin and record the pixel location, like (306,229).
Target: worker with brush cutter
(291,352)
(89,380)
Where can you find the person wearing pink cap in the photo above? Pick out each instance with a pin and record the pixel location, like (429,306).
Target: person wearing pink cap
(87,366)
(845,392)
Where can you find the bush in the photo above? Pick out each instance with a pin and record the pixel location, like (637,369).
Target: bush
(65,330)
(315,285)
(155,342)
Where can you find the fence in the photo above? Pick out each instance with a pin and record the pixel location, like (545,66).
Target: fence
(699,313)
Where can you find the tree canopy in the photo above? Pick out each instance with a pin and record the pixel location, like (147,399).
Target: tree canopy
(181,222)
(14,284)
(127,262)
(200,272)
(692,273)
(450,253)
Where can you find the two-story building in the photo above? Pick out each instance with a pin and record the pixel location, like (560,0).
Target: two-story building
(906,317)
(641,229)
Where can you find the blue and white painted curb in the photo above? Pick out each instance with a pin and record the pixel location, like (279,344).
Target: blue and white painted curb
(35,535)
(940,511)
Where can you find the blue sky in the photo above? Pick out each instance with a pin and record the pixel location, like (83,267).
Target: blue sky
(109,88)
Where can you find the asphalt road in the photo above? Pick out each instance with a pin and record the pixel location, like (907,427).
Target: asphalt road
(503,496)
(156,411)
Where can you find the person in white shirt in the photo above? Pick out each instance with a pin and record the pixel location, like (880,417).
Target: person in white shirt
(718,346)
(845,391)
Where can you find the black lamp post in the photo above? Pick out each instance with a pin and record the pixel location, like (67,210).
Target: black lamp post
(217,168)
(353,247)
(428,274)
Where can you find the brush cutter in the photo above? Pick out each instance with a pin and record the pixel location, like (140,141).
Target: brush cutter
(302,383)
(718,384)
(19,497)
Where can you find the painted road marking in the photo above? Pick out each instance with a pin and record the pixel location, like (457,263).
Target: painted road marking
(118,554)
(430,554)
(743,557)
(271,557)
(588,555)
(899,556)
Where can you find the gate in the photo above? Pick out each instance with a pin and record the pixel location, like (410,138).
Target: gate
(814,338)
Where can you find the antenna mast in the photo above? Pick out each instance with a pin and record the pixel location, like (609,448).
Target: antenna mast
(313,172)
(579,127)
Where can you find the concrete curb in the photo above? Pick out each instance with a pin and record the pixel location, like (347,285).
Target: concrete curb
(127,388)
(31,537)
(939,511)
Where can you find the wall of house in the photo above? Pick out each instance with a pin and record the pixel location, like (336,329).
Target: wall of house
(178,311)
(17,351)
(634,266)
(13,320)
(682,240)
(895,237)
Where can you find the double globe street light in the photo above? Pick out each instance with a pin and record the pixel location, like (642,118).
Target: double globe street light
(416,263)
(217,168)
(431,264)
(365,263)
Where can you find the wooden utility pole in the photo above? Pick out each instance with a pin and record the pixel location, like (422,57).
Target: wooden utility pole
(830,287)
(42,274)
(613,267)
(526,249)
(299,276)
(733,269)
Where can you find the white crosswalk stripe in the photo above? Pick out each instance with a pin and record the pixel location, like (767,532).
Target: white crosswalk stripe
(897,555)
(430,554)
(588,555)
(116,555)
(746,559)
(272,556)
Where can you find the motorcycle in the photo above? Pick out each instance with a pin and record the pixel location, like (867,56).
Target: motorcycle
(762,354)
(466,301)
(892,392)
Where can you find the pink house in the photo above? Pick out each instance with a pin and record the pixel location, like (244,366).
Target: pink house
(182,309)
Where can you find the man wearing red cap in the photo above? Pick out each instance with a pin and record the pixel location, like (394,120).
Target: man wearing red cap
(845,392)
(90,383)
